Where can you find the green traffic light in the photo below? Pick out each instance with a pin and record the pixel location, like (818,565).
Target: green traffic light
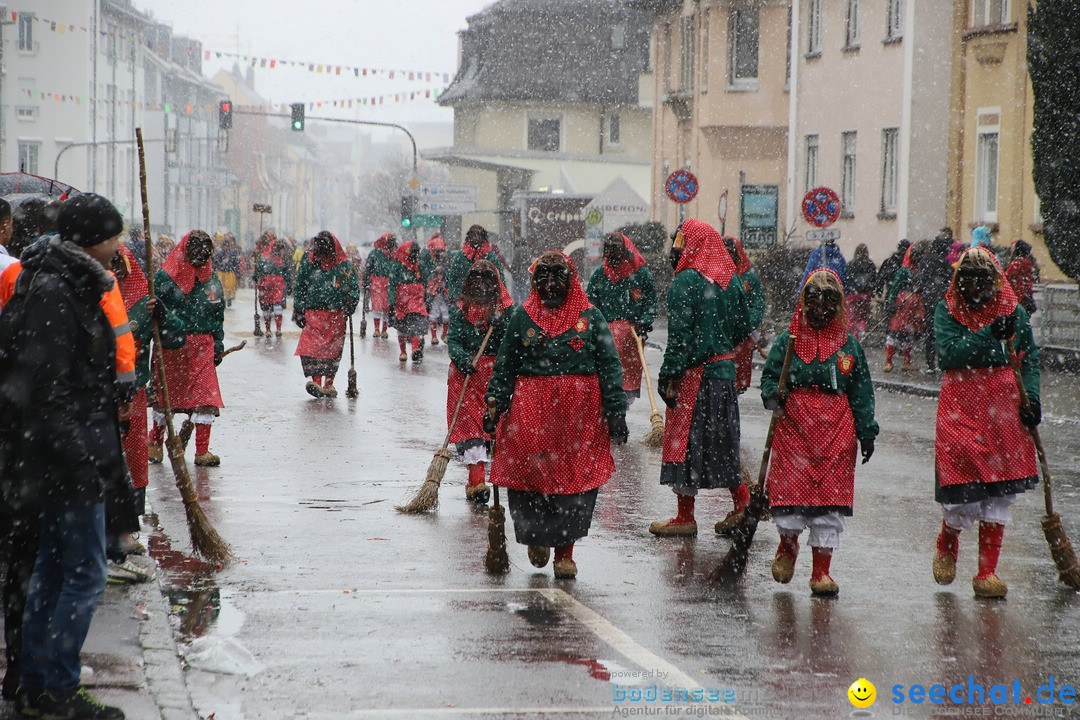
(297,125)
(406,222)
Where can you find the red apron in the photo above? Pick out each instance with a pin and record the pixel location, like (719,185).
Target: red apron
(626,345)
(744,364)
(470,422)
(380,293)
(271,290)
(979,434)
(191,376)
(908,317)
(813,451)
(135,441)
(554,440)
(409,299)
(323,335)
(677,419)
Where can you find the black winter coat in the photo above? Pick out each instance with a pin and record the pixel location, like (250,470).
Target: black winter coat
(59,433)
(934,274)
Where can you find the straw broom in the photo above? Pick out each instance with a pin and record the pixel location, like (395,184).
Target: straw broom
(1060,547)
(427,497)
(734,563)
(352,392)
(496,561)
(258,326)
(655,437)
(204,539)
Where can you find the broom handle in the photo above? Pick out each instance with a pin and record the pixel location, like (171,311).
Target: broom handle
(645,367)
(1026,402)
(465,386)
(352,355)
(159,356)
(781,386)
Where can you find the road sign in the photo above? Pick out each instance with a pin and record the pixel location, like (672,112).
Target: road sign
(428,221)
(260,208)
(448,192)
(427,206)
(721,207)
(820,236)
(681,186)
(821,207)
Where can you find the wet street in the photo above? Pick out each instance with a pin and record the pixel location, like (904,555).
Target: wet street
(339,607)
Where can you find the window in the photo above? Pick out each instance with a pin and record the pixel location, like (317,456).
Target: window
(744,45)
(26,32)
(989,12)
(986,176)
(847,174)
(667,49)
(787,62)
(813,28)
(894,19)
(705,50)
(614,129)
(686,59)
(26,112)
(545,134)
(889,139)
(618,36)
(811,162)
(851,36)
(28,156)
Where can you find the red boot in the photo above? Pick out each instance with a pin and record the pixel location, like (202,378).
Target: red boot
(907,360)
(476,490)
(740,498)
(783,565)
(948,549)
(445,329)
(434,331)
(890,350)
(820,582)
(987,584)
(401,345)
(417,350)
(682,525)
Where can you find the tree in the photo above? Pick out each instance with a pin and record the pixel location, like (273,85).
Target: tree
(1053,56)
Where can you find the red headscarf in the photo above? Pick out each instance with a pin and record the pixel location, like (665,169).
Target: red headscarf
(556,322)
(182,272)
(627,267)
(475,313)
(907,258)
(742,262)
(402,256)
(381,243)
(327,263)
(475,254)
(134,287)
(1004,301)
(704,251)
(436,243)
(819,343)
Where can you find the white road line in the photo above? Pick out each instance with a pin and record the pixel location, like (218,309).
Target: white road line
(476,711)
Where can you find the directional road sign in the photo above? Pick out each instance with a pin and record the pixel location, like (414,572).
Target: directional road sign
(821,207)
(448,192)
(820,236)
(428,206)
(681,186)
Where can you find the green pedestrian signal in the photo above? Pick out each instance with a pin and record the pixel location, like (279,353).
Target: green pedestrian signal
(298,117)
(408,207)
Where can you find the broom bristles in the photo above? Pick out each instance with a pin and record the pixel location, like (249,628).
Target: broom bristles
(352,392)
(1061,550)
(427,497)
(655,437)
(204,539)
(497,561)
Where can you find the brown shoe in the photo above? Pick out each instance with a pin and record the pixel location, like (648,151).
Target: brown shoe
(888,367)
(207,459)
(729,523)
(991,587)
(313,389)
(155,454)
(944,569)
(670,528)
(825,587)
(403,357)
(479,495)
(330,391)
(539,557)
(565,569)
(783,569)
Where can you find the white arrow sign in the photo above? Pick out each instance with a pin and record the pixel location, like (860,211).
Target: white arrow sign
(445,207)
(448,192)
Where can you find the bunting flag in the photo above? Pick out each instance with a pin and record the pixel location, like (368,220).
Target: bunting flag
(189,109)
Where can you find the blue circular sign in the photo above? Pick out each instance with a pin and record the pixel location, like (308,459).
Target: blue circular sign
(821,207)
(681,186)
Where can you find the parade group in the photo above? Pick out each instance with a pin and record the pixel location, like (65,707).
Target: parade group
(547,383)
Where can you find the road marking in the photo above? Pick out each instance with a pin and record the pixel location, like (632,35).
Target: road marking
(471,712)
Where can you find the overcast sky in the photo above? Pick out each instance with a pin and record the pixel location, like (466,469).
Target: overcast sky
(416,35)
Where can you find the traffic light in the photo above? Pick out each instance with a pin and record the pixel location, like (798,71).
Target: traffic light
(225,114)
(298,117)
(408,207)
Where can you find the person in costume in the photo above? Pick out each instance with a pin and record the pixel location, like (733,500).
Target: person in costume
(380,261)
(187,286)
(828,403)
(623,290)
(327,292)
(476,247)
(1022,273)
(227,265)
(272,270)
(708,315)
(406,294)
(557,387)
(483,304)
(985,454)
(755,296)
(438,299)
(906,308)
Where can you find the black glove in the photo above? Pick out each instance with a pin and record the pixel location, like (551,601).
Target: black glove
(643,331)
(298,319)
(158,313)
(867,449)
(490,423)
(467,368)
(617,429)
(284,303)
(665,386)
(217,359)
(1003,327)
(776,402)
(1031,414)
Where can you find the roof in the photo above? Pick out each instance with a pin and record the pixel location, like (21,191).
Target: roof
(565,50)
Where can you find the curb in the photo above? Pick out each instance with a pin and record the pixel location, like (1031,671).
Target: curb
(161,657)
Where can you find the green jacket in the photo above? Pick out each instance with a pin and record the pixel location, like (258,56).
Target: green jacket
(902,282)
(378,264)
(264,267)
(525,350)
(632,299)
(827,376)
(704,320)
(958,348)
(465,338)
(172,337)
(755,294)
(401,275)
(200,311)
(460,264)
(334,289)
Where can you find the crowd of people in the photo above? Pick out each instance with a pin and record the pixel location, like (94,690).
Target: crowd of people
(544,389)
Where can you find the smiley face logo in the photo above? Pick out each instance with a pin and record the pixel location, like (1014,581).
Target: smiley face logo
(862,693)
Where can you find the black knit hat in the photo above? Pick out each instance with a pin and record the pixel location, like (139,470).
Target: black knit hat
(88,219)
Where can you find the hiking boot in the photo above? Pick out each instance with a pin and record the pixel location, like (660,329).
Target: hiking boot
(207,459)
(671,528)
(565,569)
(539,556)
(990,587)
(824,586)
(155,454)
(79,705)
(728,525)
(329,391)
(313,389)
(28,702)
(478,494)
(128,572)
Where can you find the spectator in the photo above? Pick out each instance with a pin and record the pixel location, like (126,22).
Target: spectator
(979,236)
(862,278)
(6,228)
(1021,274)
(932,280)
(892,264)
(826,256)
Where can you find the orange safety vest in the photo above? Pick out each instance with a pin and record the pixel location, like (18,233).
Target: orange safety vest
(112,303)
